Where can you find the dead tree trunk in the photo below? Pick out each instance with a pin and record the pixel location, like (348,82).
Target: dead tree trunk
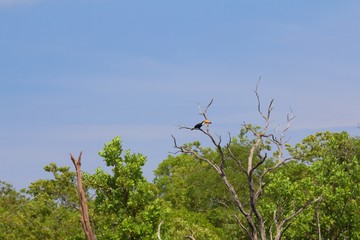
(85,219)
(256,228)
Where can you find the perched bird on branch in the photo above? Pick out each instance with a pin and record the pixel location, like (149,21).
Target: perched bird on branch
(199,125)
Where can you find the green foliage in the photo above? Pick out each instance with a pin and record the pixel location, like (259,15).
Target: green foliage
(47,211)
(327,166)
(287,190)
(179,223)
(189,197)
(337,175)
(126,206)
(52,211)
(192,186)
(11,203)
(334,172)
(61,190)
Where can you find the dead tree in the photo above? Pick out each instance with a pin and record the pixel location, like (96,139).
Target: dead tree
(255,223)
(85,219)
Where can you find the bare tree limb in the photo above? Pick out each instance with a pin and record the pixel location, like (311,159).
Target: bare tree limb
(242,226)
(190,236)
(185,127)
(280,225)
(235,159)
(85,219)
(318,222)
(263,159)
(270,107)
(204,113)
(302,208)
(159,230)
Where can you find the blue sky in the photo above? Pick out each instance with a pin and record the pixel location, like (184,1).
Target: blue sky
(75,74)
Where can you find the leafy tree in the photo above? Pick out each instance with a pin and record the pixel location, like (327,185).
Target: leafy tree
(315,195)
(52,211)
(126,204)
(191,185)
(334,171)
(61,189)
(290,189)
(11,204)
(45,211)
(181,223)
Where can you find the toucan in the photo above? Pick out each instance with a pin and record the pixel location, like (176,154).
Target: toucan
(198,126)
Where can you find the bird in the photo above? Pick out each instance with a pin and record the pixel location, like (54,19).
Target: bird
(207,122)
(198,126)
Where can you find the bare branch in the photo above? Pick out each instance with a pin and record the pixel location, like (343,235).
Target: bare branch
(159,230)
(204,113)
(174,139)
(318,222)
(258,98)
(222,203)
(189,151)
(85,219)
(208,105)
(190,236)
(302,208)
(185,127)
(275,218)
(236,160)
(280,225)
(242,226)
(263,159)
(270,107)
(289,118)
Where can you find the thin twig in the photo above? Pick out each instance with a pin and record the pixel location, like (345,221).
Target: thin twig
(242,225)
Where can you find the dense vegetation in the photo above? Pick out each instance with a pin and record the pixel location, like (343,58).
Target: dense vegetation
(188,199)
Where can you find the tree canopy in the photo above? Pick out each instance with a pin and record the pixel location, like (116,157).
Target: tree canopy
(188,199)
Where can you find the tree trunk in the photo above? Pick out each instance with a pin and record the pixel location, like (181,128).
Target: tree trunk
(85,219)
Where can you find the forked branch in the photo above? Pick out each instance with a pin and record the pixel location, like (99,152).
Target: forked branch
(204,112)
(85,219)
(270,107)
(280,225)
